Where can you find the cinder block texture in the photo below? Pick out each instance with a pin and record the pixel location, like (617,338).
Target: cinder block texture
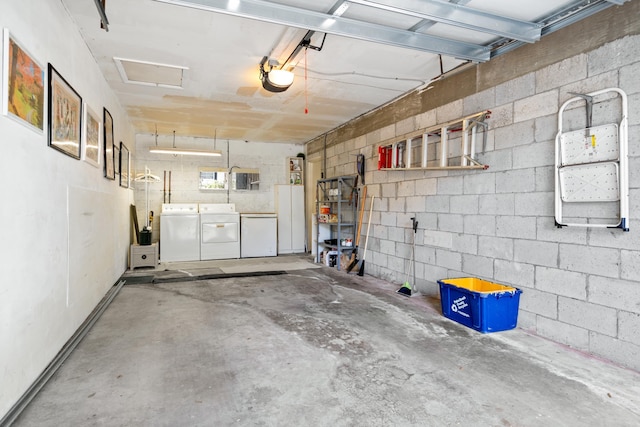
(539,302)
(535,203)
(588,316)
(464,204)
(589,259)
(516,227)
(534,155)
(513,90)
(630,261)
(496,247)
(516,181)
(514,273)
(481,183)
(614,55)
(448,259)
(450,222)
(497,204)
(564,333)
(621,294)
(477,266)
(438,238)
(484,225)
(561,73)
(562,282)
(537,253)
(517,134)
(619,351)
(539,105)
(629,327)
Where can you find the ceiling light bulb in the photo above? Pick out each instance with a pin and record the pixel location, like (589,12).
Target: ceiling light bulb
(281,77)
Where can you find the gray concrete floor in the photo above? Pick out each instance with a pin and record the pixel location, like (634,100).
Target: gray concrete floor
(315,347)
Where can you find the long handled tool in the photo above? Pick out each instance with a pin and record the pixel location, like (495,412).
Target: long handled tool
(164,188)
(354,254)
(406,289)
(366,240)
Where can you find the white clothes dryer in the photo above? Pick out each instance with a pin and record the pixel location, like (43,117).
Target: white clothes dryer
(219,231)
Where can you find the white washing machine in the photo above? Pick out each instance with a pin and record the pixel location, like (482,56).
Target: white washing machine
(179,232)
(220,231)
(258,235)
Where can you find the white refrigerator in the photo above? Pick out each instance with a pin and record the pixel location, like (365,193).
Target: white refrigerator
(290,210)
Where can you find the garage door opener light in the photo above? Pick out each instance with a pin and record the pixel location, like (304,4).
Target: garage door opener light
(275,79)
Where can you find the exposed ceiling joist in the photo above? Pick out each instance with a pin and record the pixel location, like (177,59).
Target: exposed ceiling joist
(331,24)
(461,16)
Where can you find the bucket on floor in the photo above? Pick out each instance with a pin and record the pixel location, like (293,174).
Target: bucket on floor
(145,237)
(479,304)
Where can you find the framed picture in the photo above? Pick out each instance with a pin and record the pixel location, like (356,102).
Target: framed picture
(65,115)
(116,159)
(91,134)
(124,166)
(23,85)
(107,148)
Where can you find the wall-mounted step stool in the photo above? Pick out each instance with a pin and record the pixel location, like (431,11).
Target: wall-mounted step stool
(592,172)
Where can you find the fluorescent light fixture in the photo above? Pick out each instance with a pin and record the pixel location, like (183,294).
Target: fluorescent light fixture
(185,151)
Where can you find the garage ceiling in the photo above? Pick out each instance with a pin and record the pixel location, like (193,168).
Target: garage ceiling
(192,66)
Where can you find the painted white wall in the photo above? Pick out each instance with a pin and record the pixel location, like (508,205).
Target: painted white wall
(269,158)
(64,229)
(581,287)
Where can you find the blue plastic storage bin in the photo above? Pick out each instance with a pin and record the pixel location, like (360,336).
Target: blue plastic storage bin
(479,304)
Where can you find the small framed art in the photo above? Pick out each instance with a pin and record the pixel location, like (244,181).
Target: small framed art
(91,134)
(65,115)
(107,147)
(124,166)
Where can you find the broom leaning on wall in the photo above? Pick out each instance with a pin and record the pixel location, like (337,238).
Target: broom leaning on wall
(406,288)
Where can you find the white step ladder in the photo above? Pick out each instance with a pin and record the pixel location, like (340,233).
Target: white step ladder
(592,175)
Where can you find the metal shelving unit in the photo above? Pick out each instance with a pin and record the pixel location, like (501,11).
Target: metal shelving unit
(336,200)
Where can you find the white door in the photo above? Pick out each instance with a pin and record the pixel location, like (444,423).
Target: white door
(283,209)
(298,237)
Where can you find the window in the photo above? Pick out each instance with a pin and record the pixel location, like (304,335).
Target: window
(242,179)
(213,179)
(245,179)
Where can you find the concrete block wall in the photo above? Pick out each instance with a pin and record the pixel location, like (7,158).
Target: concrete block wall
(581,287)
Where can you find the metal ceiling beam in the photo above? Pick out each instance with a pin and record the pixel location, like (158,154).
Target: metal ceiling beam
(573,13)
(461,16)
(310,20)
(102,13)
